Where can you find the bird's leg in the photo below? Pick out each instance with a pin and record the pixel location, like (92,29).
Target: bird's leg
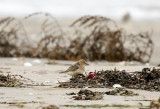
(85,72)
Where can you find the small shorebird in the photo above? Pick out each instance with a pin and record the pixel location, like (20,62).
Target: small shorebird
(77,68)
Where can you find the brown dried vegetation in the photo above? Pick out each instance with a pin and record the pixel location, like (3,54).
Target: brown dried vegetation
(12,35)
(88,95)
(147,79)
(9,81)
(50,107)
(51,43)
(155,104)
(122,92)
(93,38)
(105,41)
(15,81)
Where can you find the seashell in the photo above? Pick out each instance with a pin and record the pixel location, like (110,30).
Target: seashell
(117,85)
(27,64)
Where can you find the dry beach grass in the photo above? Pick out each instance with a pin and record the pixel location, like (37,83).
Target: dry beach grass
(93,38)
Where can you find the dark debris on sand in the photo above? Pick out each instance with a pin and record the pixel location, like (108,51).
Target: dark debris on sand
(9,81)
(122,92)
(72,93)
(50,107)
(155,104)
(85,94)
(147,79)
(15,81)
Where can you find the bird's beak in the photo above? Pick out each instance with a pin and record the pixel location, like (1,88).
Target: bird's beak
(86,63)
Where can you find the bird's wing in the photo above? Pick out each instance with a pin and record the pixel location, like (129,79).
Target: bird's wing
(73,67)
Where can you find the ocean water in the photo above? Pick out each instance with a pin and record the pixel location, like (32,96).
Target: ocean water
(138,9)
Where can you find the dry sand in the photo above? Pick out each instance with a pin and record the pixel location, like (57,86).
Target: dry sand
(42,73)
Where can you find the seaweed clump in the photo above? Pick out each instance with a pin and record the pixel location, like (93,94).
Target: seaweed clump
(88,95)
(9,81)
(92,38)
(51,42)
(50,107)
(122,92)
(147,79)
(13,37)
(15,81)
(155,104)
(99,38)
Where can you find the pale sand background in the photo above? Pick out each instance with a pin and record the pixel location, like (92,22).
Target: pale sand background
(49,75)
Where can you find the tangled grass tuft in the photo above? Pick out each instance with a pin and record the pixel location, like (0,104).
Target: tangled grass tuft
(93,38)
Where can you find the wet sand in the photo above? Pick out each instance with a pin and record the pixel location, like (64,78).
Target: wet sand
(48,76)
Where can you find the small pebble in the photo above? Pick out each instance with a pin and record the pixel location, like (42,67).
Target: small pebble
(56,82)
(47,81)
(30,93)
(27,64)
(116,85)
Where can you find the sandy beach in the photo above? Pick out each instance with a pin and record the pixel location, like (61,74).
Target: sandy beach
(45,77)
(43,29)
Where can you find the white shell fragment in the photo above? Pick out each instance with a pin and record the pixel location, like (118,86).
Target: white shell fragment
(56,82)
(27,64)
(30,93)
(86,88)
(117,85)
(63,81)
(47,81)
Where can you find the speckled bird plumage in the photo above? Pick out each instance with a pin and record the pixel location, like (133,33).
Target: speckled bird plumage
(77,68)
